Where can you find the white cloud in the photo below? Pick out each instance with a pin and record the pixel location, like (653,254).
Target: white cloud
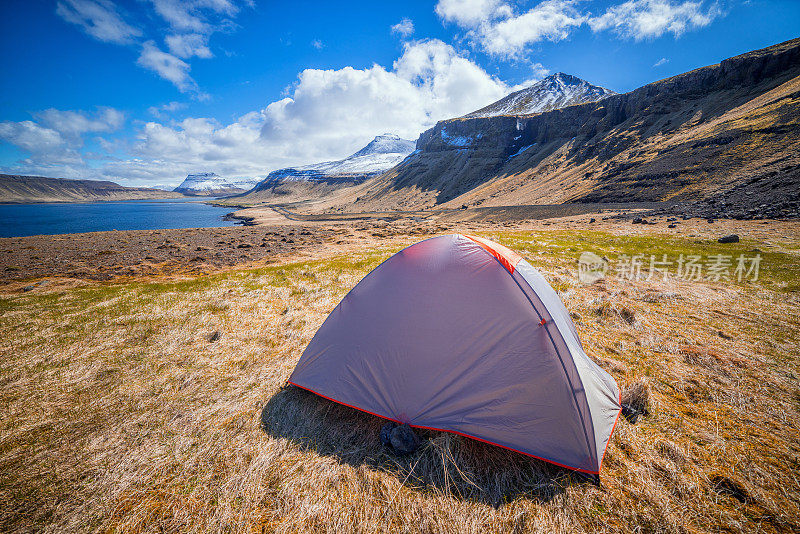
(191,16)
(404,28)
(160,111)
(645,19)
(189,44)
(316,43)
(498,27)
(328,114)
(98,18)
(660,62)
(167,66)
(471,13)
(190,25)
(54,141)
(500,30)
(73,124)
(333,112)
(31,137)
(551,20)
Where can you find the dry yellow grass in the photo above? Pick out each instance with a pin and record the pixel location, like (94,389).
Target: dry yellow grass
(119,415)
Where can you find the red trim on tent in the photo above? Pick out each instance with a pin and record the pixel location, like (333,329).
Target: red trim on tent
(504,255)
(467,435)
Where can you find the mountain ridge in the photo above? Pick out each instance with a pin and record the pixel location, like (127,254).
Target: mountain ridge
(556,91)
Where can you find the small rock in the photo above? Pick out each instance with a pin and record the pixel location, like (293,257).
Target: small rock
(637,220)
(214,336)
(592,220)
(733,238)
(386,432)
(403,439)
(672,226)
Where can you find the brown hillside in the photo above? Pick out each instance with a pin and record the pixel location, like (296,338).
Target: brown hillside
(20,189)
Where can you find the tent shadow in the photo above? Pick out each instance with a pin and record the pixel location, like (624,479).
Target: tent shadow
(447,463)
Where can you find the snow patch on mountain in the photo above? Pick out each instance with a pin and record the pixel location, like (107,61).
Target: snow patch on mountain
(554,92)
(456,140)
(386,144)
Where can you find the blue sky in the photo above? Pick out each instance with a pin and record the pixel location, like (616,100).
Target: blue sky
(143,92)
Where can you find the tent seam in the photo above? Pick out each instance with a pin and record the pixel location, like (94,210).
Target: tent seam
(563,366)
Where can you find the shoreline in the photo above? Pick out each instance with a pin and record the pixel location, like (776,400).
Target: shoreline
(124,254)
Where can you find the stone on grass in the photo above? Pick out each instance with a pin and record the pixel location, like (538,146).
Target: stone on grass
(733,238)
(403,439)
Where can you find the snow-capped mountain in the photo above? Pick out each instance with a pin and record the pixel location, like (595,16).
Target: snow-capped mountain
(556,91)
(211,184)
(382,153)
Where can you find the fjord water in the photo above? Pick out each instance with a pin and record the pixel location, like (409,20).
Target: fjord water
(17,220)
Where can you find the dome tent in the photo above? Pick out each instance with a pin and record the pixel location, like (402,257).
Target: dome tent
(460,334)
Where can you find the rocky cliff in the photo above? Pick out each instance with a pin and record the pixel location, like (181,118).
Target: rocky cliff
(714,131)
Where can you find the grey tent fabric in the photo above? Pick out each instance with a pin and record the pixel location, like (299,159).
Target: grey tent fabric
(457,333)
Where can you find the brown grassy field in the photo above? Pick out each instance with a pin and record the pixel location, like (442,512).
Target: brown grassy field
(120,414)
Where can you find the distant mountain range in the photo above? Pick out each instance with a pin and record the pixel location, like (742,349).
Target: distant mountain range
(554,92)
(211,184)
(26,189)
(314,181)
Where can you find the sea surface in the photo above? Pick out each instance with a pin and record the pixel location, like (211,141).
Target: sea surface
(34,219)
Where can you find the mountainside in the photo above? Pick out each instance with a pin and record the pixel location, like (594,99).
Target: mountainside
(23,189)
(317,180)
(554,92)
(728,132)
(211,184)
